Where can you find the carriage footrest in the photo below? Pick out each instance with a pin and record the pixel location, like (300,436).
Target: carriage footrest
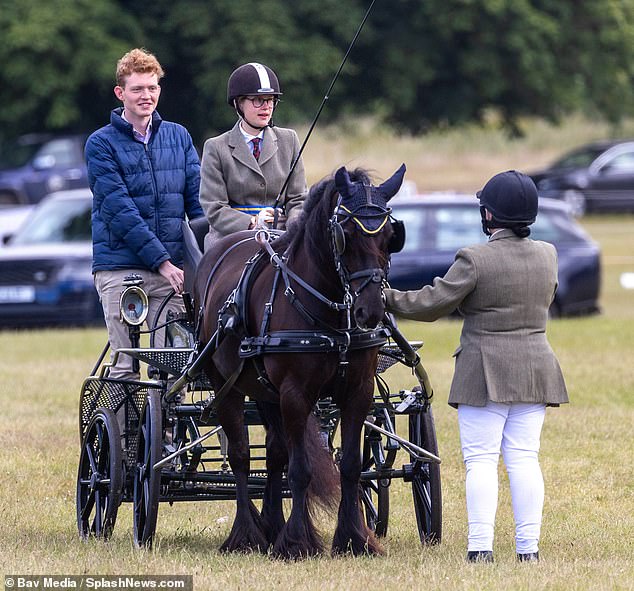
(173,361)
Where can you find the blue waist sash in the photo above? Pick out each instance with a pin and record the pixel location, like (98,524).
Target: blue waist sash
(251,209)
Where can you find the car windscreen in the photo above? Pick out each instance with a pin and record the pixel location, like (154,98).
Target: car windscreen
(17,155)
(556,227)
(456,227)
(579,158)
(445,228)
(449,227)
(57,220)
(414,219)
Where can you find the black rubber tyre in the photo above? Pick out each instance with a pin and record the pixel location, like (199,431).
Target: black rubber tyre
(147,481)
(375,494)
(100,476)
(426,489)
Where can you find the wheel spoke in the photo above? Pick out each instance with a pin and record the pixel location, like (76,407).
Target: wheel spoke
(97,522)
(91,457)
(370,509)
(87,508)
(423,494)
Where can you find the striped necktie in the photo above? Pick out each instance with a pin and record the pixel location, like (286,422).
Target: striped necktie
(256,147)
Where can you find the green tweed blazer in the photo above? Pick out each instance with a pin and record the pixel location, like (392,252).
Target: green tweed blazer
(503,289)
(230,173)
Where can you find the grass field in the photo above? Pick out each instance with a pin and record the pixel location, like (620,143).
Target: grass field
(587,458)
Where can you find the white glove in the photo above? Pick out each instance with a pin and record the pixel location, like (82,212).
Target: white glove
(265,218)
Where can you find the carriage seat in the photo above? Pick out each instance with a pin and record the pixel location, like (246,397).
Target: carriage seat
(194,232)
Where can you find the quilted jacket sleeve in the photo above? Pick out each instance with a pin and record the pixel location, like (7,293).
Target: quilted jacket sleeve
(192,188)
(116,208)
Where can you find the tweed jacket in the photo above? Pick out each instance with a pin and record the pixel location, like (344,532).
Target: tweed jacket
(230,174)
(503,289)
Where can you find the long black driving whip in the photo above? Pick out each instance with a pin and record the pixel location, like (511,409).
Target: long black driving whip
(321,107)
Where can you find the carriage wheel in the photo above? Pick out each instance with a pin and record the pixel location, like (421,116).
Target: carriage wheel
(426,479)
(375,494)
(100,476)
(147,481)
(375,498)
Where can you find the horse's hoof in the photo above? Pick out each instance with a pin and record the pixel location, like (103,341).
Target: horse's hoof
(244,545)
(294,553)
(371,547)
(243,548)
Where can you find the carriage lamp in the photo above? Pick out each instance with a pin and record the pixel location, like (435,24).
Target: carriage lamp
(133,304)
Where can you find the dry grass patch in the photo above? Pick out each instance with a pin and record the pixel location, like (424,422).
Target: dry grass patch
(587,447)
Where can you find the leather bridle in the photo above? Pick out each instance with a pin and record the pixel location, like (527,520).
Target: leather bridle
(342,215)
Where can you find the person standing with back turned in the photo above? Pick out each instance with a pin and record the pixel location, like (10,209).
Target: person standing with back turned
(506,372)
(144,174)
(244,170)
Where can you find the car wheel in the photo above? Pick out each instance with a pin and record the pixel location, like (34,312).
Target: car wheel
(576,200)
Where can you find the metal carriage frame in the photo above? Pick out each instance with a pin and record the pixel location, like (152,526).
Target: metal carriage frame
(141,442)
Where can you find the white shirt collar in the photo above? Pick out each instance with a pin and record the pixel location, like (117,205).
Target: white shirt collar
(248,137)
(495,232)
(137,134)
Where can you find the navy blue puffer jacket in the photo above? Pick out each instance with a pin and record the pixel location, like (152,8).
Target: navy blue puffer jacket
(141,193)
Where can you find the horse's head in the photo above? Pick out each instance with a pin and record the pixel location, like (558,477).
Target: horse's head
(362,236)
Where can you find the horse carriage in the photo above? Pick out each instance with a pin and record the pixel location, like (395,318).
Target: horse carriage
(270,385)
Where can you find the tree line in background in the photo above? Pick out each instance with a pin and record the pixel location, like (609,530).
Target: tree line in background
(418,64)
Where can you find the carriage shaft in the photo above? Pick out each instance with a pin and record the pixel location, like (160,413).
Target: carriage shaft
(414,449)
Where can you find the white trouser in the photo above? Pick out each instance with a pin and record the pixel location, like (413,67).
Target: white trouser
(515,428)
(109,287)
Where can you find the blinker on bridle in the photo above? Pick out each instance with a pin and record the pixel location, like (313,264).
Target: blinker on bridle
(370,223)
(377,219)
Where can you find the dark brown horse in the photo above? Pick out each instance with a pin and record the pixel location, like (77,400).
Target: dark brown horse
(290,334)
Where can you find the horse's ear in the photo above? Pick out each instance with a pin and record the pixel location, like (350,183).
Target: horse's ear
(390,187)
(342,182)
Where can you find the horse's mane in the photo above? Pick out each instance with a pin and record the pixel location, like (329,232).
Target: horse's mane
(311,227)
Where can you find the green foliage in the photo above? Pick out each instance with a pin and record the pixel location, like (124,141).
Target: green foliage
(58,61)
(452,61)
(417,65)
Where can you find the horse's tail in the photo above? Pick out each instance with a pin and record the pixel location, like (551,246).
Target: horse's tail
(324,485)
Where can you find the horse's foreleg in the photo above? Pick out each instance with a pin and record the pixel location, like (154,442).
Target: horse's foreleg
(276,460)
(298,538)
(352,534)
(247,533)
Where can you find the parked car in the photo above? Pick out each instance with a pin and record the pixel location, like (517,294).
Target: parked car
(596,177)
(437,226)
(45,268)
(11,218)
(40,164)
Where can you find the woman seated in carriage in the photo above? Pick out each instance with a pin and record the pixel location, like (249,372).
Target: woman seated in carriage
(245,169)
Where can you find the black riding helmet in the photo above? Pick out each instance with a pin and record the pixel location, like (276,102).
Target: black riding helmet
(511,197)
(249,80)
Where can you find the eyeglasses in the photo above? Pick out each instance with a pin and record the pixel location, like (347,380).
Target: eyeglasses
(258,101)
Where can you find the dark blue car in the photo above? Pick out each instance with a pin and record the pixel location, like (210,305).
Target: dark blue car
(437,226)
(46,266)
(40,164)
